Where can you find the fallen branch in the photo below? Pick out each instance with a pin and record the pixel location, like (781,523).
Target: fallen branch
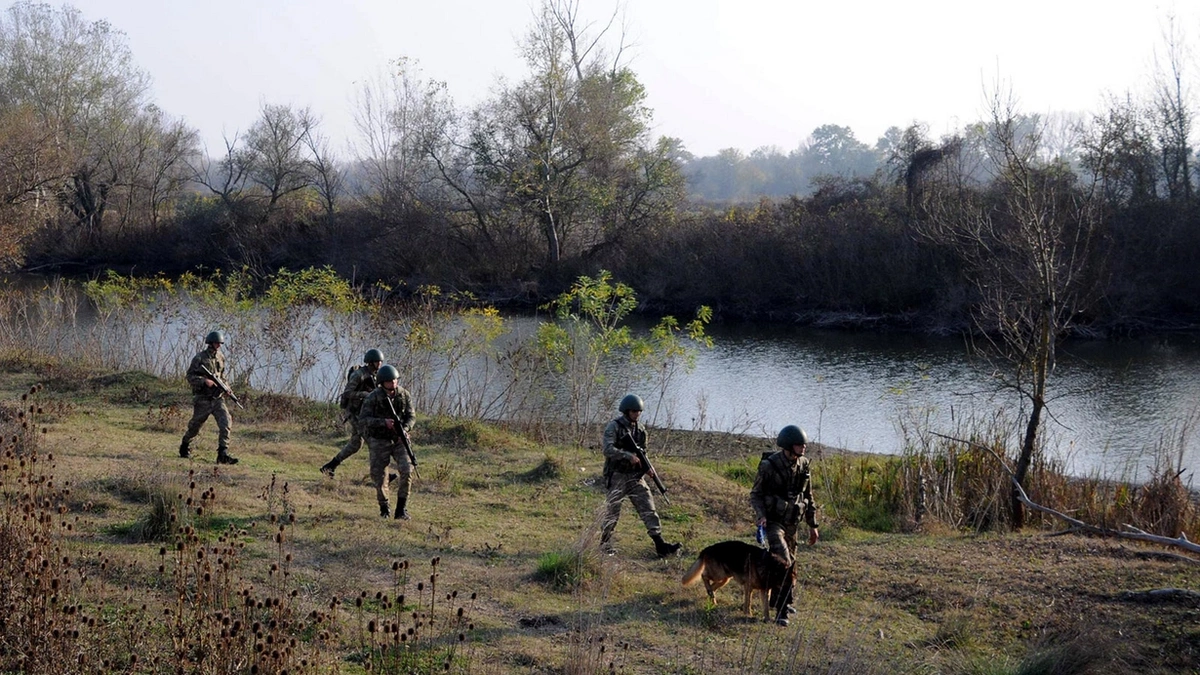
(1078,525)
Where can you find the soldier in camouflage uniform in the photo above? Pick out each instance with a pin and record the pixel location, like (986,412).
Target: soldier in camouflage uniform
(359,383)
(782,493)
(208,398)
(385,412)
(624,476)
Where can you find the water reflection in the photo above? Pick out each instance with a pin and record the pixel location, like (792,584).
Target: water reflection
(1113,402)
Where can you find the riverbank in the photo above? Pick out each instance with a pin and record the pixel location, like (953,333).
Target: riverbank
(504,527)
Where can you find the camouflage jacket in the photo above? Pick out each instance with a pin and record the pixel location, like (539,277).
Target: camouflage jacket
(359,384)
(377,410)
(215,362)
(783,490)
(620,435)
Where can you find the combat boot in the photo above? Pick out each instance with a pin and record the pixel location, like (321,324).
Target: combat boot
(402,514)
(606,545)
(383,511)
(223,457)
(184,450)
(662,548)
(330,467)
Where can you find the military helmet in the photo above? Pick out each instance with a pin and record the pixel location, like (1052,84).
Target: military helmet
(791,435)
(372,355)
(387,373)
(215,336)
(631,402)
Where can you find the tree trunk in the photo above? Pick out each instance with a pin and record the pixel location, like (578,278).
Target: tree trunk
(1025,461)
(1042,359)
(553,245)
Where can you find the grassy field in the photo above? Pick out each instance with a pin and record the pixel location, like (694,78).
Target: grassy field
(117,548)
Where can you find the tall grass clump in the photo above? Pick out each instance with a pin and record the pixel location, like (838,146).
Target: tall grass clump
(963,479)
(567,570)
(866,492)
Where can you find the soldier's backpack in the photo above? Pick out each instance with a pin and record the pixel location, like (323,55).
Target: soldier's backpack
(344,402)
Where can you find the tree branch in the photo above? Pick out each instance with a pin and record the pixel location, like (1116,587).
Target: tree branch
(1131,532)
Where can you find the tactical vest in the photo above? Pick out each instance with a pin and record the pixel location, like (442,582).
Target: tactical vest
(783,491)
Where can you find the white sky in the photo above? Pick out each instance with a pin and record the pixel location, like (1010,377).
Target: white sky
(719,73)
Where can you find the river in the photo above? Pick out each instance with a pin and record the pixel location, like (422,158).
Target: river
(1112,403)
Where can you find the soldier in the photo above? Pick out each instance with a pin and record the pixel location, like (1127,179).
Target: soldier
(359,383)
(208,398)
(624,476)
(782,492)
(385,418)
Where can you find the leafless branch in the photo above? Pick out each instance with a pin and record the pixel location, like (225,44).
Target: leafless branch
(1130,531)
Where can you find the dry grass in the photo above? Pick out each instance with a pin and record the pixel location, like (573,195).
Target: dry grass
(308,560)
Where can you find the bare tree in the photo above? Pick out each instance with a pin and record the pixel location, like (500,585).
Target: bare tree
(327,177)
(1025,243)
(1119,154)
(400,117)
(274,152)
(1171,105)
(266,164)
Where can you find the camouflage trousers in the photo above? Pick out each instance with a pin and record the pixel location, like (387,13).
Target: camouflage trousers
(781,539)
(383,453)
(632,485)
(353,445)
(202,407)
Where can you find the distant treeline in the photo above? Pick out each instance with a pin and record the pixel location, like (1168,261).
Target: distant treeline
(558,175)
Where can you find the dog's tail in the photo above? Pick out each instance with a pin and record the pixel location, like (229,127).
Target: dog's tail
(694,573)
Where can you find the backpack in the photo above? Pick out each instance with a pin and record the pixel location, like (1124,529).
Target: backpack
(344,402)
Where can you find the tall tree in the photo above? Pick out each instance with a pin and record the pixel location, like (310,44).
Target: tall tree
(1174,116)
(832,150)
(31,166)
(79,79)
(400,118)
(1119,154)
(567,150)
(1025,242)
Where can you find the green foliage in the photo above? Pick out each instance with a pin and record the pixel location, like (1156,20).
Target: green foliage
(321,287)
(115,292)
(594,308)
(864,491)
(590,333)
(566,570)
(742,473)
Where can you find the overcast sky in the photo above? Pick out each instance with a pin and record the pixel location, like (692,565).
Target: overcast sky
(719,73)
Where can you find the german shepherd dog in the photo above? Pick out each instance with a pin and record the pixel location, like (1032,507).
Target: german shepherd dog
(756,569)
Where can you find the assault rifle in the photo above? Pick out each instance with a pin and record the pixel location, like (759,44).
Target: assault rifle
(402,435)
(641,455)
(221,383)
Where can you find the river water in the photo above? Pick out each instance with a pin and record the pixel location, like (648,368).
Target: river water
(1113,404)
